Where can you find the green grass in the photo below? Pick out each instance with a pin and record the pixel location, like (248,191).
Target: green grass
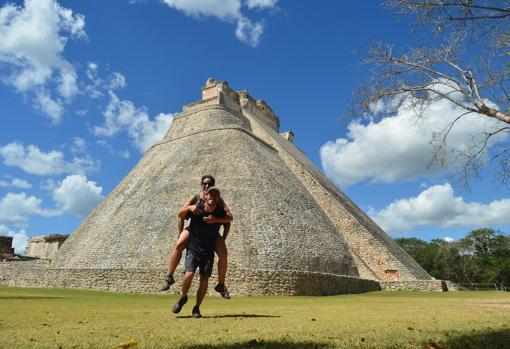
(55,318)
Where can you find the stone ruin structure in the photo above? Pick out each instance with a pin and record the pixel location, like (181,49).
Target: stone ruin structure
(6,249)
(294,231)
(45,246)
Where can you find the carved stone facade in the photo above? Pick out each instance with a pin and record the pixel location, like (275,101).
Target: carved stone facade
(294,231)
(6,249)
(45,247)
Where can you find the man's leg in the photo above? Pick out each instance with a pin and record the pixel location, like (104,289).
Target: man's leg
(186,284)
(202,290)
(175,258)
(206,267)
(221,251)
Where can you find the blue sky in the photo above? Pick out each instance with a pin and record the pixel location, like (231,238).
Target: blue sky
(86,86)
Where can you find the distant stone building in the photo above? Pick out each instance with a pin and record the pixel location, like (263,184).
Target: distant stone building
(6,249)
(294,231)
(45,247)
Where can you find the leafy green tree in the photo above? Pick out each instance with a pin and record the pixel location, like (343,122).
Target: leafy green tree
(482,256)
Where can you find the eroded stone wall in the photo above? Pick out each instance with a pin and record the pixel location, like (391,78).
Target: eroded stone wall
(376,255)
(6,249)
(241,282)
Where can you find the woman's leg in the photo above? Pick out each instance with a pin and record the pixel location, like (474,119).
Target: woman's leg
(174,259)
(176,255)
(221,251)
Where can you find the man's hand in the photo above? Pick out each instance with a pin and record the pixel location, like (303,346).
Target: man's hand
(210,219)
(194,209)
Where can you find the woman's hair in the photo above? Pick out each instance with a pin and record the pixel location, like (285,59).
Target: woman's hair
(211,178)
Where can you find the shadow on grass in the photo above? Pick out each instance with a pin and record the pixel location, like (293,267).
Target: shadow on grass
(263,345)
(477,340)
(227,316)
(30,297)
(480,340)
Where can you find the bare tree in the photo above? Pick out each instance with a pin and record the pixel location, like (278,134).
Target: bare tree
(462,56)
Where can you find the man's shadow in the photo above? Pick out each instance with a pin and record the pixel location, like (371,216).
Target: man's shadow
(228,316)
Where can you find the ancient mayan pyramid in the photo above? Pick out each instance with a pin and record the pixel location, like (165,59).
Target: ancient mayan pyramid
(294,231)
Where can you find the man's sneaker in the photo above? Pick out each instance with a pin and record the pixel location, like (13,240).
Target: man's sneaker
(169,281)
(180,303)
(196,312)
(222,289)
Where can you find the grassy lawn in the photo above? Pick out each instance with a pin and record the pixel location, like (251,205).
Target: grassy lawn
(55,318)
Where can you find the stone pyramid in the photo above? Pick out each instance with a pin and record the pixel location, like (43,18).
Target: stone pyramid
(294,231)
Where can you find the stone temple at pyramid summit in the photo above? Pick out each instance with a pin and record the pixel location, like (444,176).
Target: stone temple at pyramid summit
(294,232)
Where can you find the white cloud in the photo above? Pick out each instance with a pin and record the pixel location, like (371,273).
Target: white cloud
(117,80)
(98,86)
(92,71)
(261,3)
(77,195)
(16,182)
(34,37)
(19,240)
(221,9)
(50,107)
(15,209)
(247,31)
(438,206)
(398,147)
(68,85)
(35,161)
(125,116)
(448,239)
(79,145)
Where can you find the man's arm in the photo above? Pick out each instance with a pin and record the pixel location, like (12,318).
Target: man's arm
(217,220)
(227,218)
(188,206)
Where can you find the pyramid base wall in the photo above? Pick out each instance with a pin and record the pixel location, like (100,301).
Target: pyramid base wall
(240,282)
(418,285)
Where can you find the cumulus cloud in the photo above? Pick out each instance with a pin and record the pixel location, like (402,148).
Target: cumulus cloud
(19,239)
(116,81)
(247,31)
(123,115)
(261,3)
(97,86)
(79,145)
(46,104)
(438,206)
(33,160)
(34,37)
(399,147)
(16,208)
(77,195)
(16,183)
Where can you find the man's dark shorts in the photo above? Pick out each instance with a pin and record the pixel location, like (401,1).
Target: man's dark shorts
(205,265)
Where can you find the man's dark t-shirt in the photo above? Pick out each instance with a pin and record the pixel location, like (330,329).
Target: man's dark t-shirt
(202,236)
